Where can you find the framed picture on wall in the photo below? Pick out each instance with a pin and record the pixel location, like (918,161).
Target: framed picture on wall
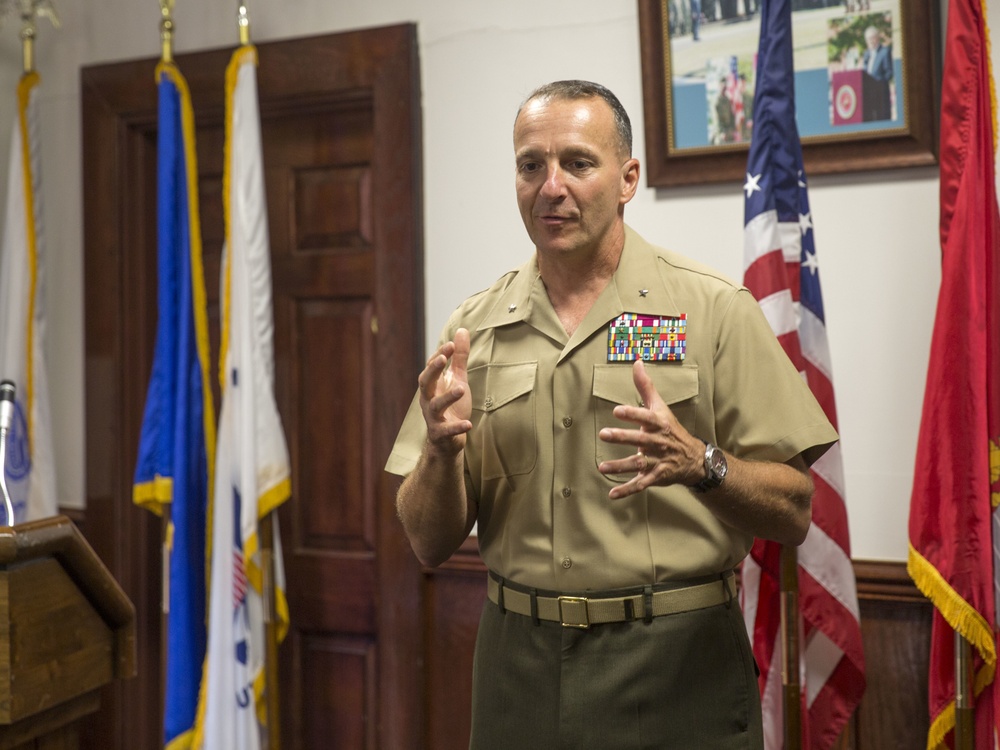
(867,85)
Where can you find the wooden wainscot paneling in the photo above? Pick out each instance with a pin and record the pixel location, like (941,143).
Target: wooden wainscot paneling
(896,629)
(453,600)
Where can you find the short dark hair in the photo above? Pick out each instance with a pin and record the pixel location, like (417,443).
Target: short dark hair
(586,90)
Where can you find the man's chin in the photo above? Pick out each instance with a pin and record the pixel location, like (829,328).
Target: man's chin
(553,241)
(554,235)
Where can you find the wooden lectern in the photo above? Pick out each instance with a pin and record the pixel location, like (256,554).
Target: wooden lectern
(66,629)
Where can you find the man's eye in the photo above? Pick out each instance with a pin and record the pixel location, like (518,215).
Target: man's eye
(579,165)
(528,167)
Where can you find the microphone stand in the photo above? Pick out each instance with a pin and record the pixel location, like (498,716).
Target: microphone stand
(6,418)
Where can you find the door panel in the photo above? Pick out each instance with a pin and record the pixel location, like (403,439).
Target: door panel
(341,131)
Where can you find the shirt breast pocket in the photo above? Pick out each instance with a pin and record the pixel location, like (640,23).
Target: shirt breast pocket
(613,385)
(503,441)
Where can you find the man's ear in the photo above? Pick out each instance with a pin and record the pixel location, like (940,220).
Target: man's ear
(630,179)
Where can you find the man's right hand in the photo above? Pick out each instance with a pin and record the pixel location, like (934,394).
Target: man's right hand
(437,514)
(445,399)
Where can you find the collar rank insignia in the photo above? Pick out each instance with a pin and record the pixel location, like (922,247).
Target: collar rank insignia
(632,336)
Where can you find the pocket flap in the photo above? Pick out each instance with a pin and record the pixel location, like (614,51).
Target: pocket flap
(499,384)
(613,382)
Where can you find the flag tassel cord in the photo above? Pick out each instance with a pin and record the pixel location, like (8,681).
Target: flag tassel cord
(792,689)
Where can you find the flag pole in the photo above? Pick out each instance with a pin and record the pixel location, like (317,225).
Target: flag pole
(166,31)
(965,726)
(792,697)
(28,30)
(166,521)
(270,632)
(244,24)
(30,13)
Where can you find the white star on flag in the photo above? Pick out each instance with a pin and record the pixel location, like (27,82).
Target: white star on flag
(805,222)
(811,262)
(751,185)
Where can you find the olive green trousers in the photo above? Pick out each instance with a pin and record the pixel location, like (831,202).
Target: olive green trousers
(686,681)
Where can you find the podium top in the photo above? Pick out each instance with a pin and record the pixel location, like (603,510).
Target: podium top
(59,538)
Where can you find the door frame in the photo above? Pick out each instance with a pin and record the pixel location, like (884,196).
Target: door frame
(119,103)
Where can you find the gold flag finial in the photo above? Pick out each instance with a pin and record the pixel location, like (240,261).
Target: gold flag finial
(167,30)
(43,9)
(244,23)
(29,11)
(28,30)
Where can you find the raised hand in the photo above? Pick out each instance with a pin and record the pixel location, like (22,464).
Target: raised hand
(666,453)
(445,398)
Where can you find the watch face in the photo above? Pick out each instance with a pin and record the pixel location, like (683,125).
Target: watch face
(718,461)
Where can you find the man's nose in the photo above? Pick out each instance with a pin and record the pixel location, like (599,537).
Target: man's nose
(554,185)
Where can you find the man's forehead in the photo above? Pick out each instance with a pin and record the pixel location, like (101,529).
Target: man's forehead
(587,107)
(570,121)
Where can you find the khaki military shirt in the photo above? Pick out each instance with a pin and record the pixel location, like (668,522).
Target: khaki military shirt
(540,398)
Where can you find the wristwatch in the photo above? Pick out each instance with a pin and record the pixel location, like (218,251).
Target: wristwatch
(715,468)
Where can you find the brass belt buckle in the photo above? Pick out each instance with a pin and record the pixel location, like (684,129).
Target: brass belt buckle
(571,605)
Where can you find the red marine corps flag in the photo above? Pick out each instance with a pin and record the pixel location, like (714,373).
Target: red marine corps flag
(782,271)
(953,511)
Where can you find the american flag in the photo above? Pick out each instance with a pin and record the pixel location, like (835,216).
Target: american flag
(781,269)
(239,567)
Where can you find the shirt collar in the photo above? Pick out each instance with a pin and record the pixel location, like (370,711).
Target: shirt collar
(637,287)
(525,300)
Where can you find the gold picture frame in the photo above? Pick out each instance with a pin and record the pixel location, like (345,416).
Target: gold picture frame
(691,138)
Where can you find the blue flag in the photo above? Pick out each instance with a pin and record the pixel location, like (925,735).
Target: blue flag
(782,270)
(177,444)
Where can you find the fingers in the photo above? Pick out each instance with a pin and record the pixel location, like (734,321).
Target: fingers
(644,440)
(455,351)
(638,484)
(439,404)
(447,429)
(431,374)
(460,359)
(444,391)
(639,463)
(647,474)
(654,415)
(644,385)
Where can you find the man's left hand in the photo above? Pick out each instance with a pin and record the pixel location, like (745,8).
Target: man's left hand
(666,453)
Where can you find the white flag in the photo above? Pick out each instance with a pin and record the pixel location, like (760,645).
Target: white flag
(30,470)
(252,475)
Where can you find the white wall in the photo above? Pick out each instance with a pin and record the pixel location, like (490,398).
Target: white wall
(876,233)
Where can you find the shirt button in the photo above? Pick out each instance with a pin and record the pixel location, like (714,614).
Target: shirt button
(567,563)
(567,422)
(566,492)
(488,403)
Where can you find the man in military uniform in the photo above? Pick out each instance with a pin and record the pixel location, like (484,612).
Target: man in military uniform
(621,422)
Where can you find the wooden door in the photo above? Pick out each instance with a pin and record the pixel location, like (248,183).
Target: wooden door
(341,131)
